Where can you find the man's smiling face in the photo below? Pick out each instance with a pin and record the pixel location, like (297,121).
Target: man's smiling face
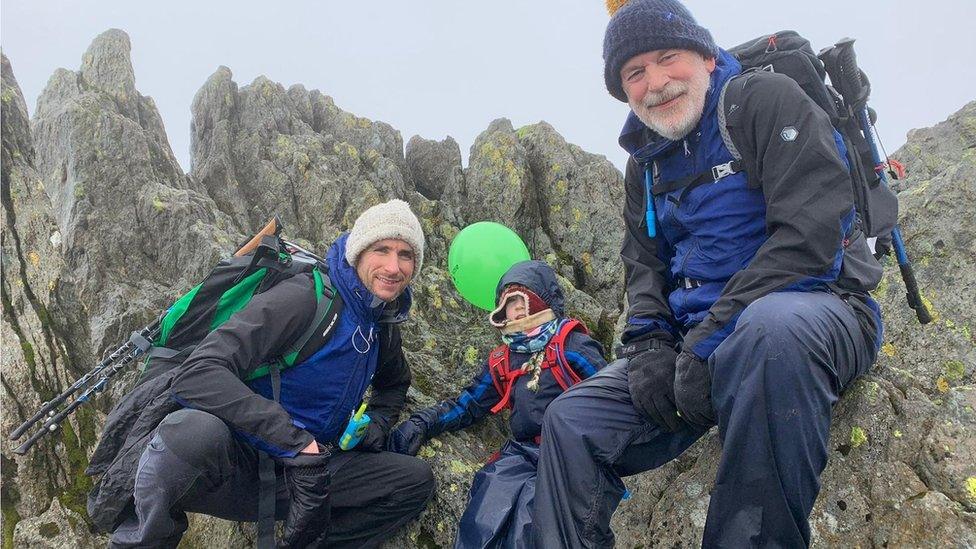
(386,267)
(666,89)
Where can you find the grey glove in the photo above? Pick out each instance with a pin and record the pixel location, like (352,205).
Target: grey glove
(693,390)
(650,378)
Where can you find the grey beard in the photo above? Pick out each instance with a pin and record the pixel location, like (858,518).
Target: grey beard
(673,134)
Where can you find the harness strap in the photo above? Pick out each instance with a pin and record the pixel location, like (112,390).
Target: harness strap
(267,480)
(498,367)
(506,398)
(266,502)
(554,360)
(711,175)
(166,352)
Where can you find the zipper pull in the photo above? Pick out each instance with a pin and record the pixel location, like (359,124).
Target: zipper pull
(649,211)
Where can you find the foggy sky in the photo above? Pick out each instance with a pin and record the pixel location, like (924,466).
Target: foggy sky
(443,67)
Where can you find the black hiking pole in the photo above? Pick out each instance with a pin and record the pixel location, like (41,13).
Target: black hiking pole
(106,369)
(851,79)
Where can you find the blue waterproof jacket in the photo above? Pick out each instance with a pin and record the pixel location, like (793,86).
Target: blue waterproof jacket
(786,223)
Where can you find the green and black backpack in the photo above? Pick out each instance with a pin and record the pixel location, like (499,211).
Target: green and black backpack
(259,265)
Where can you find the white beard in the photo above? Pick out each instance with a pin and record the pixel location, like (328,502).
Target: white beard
(677,120)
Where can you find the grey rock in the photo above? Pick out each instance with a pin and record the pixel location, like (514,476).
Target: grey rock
(34,363)
(262,151)
(434,165)
(929,152)
(56,528)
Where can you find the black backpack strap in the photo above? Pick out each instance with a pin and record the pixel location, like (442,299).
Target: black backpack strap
(319,331)
(266,501)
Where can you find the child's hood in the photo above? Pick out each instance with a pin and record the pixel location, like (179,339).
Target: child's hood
(539,277)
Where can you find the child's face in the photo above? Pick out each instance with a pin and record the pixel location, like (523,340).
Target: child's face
(515,308)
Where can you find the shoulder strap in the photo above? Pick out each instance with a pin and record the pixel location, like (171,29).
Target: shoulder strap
(328,307)
(723,115)
(555,359)
(498,367)
(326,314)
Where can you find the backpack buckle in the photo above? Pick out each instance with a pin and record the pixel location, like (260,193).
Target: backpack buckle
(722,170)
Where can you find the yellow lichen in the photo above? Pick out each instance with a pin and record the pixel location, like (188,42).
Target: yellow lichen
(470,356)
(34,258)
(587,260)
(897,433)
(954,370)
(942,385)
(858,437)
(459,467)
(971,488)
(562,186)
(928,305)
(889,350)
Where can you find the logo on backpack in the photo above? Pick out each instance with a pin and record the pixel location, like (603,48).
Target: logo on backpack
(789,133)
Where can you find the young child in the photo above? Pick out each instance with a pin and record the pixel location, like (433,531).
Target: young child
(543,354)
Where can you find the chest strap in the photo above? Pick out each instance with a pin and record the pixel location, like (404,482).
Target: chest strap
(690,182)
(554,360)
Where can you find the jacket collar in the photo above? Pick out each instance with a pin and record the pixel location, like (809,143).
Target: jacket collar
(644,144)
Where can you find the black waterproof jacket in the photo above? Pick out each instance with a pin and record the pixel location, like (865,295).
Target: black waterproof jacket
(283,312)
(786,223)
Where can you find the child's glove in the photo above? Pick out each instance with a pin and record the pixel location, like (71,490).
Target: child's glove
(410,435)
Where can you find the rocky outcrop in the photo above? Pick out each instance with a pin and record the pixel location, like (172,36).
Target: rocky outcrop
(434,165)
(102,229)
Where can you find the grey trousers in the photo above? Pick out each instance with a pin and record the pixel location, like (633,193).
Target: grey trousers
(194,463)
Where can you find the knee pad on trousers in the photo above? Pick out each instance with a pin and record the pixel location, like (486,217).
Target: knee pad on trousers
(196,437)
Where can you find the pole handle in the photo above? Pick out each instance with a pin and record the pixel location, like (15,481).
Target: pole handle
(272,228)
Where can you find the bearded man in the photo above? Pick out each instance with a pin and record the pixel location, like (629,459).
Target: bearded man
(747,293)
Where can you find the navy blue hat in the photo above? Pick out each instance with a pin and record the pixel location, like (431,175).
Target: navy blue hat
(641,26)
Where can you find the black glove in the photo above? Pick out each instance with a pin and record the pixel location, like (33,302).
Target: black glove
(693,390)
(308,479)
(374,440)
(650,378)
(409,436)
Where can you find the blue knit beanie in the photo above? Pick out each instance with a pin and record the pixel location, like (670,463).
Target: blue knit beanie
(641,26)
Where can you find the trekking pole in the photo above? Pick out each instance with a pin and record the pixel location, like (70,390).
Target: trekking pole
(120,358)
(852,75)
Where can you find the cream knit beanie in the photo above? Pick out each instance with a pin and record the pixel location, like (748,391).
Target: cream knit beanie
(391,219)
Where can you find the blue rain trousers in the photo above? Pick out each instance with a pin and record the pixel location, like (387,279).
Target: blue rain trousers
(774,381)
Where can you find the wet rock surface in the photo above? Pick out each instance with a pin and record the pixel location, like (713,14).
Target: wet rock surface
(102,229)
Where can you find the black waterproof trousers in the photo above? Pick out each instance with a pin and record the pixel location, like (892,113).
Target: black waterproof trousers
(774,380)
(195,464)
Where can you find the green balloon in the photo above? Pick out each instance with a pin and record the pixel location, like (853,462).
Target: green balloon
(479,255)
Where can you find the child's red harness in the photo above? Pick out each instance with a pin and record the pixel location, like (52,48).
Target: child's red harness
(554,361)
